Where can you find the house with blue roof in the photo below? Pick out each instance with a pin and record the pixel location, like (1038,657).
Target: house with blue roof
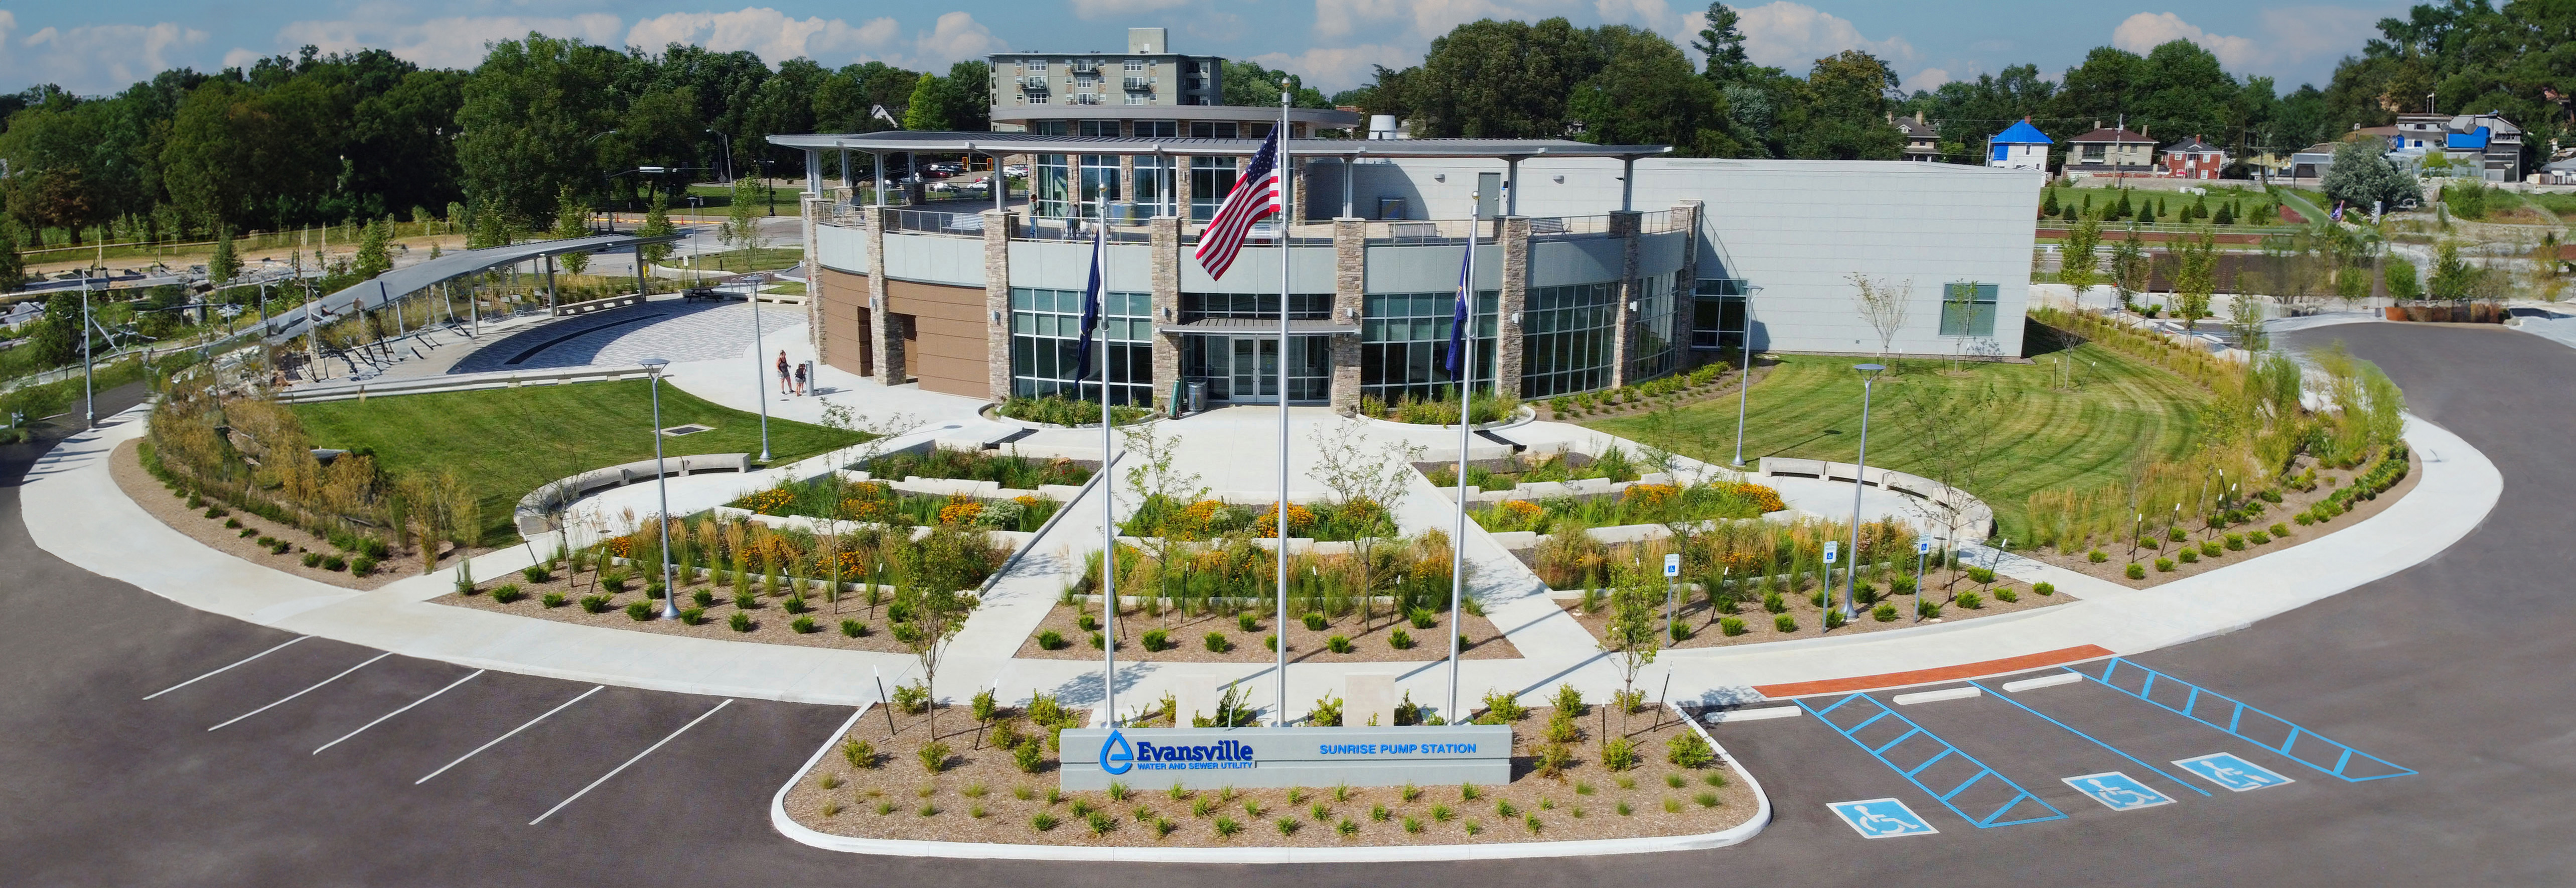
(2019,147)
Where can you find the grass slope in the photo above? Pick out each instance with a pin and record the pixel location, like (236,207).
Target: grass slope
(506,442)
(2044,437)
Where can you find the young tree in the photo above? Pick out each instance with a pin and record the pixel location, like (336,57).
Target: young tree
(1363,482)
(2077,261)
(572,220)
(1634,633)
(657,223)
(1883,305)
(2245,322)
(2399,276)
(226,264)
(2454,278)
(2195,276)
(13,267)
(741,228)
(937,570)
(375,249)
(2361,176)
(2129,267)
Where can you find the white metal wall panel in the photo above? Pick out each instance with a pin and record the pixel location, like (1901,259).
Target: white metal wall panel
(935,259)
(1049,265)
(843,249)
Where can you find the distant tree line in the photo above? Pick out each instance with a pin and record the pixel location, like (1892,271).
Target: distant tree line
(335,138)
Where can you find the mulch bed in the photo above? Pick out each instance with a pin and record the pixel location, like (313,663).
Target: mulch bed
(983,797)
(771,623)
(2292,502)
(171,507)
(1761,625)
(1188,638)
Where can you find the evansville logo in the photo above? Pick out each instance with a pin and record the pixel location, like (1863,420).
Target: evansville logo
(1115,755)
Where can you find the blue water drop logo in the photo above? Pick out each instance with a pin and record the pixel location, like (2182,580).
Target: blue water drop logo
(1116,757)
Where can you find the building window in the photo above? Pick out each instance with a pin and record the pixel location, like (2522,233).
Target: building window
(1404,344)
(1197,307)
(1156,129)
(1099,183)
(1035,66)
(1968,310)
(1135,99)
(1053,177)
(1086,80)
(1650,350)
(1135,66)
(1152,185)
(1566,343)
(1096,128)
(1046,325)
(1211,178)
(1213,129)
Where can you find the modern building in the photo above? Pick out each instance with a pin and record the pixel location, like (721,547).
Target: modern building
(2110,152)
(2192,158)
(2020,146)
(1148,73)
(1597,266)
(1922,140)
(2486,143)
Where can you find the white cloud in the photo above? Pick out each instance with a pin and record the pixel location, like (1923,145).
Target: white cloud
(241,57)
(96,58)
(1092,9)
(956,36)
(1928,79)
(1336,69)
(1791,36)
(454,42)
(1430,18)
(2148,30)
(774,36)
(2303,34)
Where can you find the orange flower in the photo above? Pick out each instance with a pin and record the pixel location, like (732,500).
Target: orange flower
(960,512)
(769,502)
(1268,523)
(1520,511)
(1649,495)
(1767,498)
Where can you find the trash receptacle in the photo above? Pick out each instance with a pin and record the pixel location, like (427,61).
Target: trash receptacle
(1198,397)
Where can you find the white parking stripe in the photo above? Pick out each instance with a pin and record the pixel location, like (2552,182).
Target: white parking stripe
(2042,682)
(316,686)
(213,674)
(406,708)
(603,778)
(513,733)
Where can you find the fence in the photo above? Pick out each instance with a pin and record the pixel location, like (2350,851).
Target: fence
(458,383)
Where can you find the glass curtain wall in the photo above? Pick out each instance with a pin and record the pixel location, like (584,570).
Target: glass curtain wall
(1046,325)
(1404,344)
(1566,348)
(1650,347)
(1717,313)
(1154,186)
(1053,188)
(1211,178)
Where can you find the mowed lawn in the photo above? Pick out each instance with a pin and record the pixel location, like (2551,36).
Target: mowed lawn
(2043,437)
(504,443)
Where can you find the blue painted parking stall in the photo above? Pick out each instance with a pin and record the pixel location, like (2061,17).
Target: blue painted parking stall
(2117,791)
(2226,769)
(2243,721)
(1980,795)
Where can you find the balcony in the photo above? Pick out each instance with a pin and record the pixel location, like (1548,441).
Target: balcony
(1084,67)
(1036,83)
(1083,99)
(1139,84)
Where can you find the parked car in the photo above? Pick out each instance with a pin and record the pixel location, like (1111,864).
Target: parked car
(1016,171)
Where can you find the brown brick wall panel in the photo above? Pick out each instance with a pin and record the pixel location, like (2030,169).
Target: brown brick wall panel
(950,350)
(843,304)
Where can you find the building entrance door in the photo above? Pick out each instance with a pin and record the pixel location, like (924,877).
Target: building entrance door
(1255,366)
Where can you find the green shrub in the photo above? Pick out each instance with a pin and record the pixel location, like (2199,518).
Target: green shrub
(693,615)
(2044,589)
(1884,613)
(362,566)
(795,604)
(508,592)
(2209,550)
(1042,821)
(1784,623)
(1245,622)
(1928,610)
(703,598)
(1730,626)
(803,625)
(2164,565)
(554,600)
(639,611)
(2235,542)
(934,756)
(1619,753)
(1339,644)
(334,563)
(1504,706)
(1688,750)
(1422,618)
(2097,556)
(1050,640)
(537,573)
(1400,640)
(1834,617)
(1970,600)
(2176,534)
(1087,622)
(2137,571)
(1314,621)
(2280,530)
(1215,641)
(912,699)
(1156,640)
(746,601)
(1098,641)
(1029,757)
(860,753)
(741,622)
(1772,602)
(612,580)
(2258,537)
(1981,575)
(854,629)
(1680,631)
(312,559)
(2007,595)
(2189,556)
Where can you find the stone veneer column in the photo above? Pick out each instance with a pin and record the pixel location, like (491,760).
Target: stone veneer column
(997,303)
(1350,283)
(1624,225)
(883,332)
(1512,300)
(1181,185)
(1163,234)
(1686,284)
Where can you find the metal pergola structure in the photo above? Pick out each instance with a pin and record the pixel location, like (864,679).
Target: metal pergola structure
(387,288)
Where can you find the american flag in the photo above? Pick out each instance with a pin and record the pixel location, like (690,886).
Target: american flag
(1256,194)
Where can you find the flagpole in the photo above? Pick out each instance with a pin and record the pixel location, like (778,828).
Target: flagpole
(1108,494)
(1466,414)
(1280,718)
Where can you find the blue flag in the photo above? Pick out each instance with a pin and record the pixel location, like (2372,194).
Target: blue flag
(1091,305)
(1459,314)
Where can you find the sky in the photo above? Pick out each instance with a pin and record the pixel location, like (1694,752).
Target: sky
(100,47)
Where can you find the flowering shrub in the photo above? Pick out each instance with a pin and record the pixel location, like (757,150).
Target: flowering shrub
(1651,495)
(1267,524)
(769,502)
(963,511)
(1768,498)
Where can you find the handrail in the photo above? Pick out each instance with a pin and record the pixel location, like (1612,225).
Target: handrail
(456,383)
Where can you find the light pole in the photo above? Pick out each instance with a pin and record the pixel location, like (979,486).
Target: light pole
(727,141)
(662,483)
(1851,575)
(1743,380)
(89,382)
(760,384)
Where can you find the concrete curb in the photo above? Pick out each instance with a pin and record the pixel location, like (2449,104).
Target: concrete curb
(1734,835)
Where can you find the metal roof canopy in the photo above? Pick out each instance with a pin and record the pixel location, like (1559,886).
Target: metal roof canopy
(1032,143)
(374,293)
(1258,326)
(1239,113)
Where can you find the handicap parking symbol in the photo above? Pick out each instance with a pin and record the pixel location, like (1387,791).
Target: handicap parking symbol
(2227,770)
(2117,791)
(1881,819)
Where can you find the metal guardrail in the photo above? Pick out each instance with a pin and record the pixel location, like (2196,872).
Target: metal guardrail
(459,383)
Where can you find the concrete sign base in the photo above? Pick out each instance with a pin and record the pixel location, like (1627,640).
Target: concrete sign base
(1208,758)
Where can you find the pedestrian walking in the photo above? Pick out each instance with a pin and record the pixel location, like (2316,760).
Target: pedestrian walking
(782,372)
(800,378)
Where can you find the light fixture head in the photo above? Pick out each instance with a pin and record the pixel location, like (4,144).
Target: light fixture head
(1868,370)
(654,364)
